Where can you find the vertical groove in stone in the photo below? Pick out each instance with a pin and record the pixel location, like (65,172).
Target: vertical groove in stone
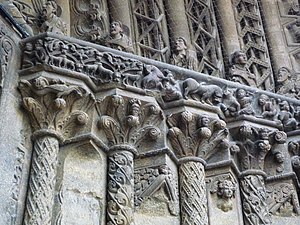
(193,194)
(120,190)
(42,182)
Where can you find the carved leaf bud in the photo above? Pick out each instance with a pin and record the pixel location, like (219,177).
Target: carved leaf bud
(133,120)
(60,103)
(174,132)
(154,110)
(234,149)
(187,116)
(280,137)
(205,132)
(82,118)
(154,133)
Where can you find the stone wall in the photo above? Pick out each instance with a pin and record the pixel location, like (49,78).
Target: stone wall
(118,112)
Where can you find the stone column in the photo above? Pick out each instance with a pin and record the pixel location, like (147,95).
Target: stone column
(42,181)
(192,188)
(57,111)
(253,193)
(228,27)
(120,197)
(177,19)
(275,35)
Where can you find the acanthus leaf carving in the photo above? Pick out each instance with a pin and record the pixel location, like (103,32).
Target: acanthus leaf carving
(196,135)
(129,121)
(55,105)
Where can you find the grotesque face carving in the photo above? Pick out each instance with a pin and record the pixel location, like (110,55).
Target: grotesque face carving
(226,189)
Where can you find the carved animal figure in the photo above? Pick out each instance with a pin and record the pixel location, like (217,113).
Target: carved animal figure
(206,91)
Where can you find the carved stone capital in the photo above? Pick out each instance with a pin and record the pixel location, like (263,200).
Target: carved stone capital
(55,106)
(196,135)
(129,121)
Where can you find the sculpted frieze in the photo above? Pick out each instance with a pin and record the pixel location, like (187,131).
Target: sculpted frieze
(110,69)
(6,50)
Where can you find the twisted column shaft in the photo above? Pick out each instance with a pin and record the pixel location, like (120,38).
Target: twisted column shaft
(40,196)
(120,188)
(193,194)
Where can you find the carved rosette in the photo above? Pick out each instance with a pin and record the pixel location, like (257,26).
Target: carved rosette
(253,192)
(57,111)
(193,193)
(120,188)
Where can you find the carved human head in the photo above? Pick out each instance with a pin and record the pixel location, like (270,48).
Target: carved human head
(204,121)
(283,74)
(180,44)
(116,28)
(238,57)
(263,99)
(279,157)
(240,93)
(49,8)
(226,189)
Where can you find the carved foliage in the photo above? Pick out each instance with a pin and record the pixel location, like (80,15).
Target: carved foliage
(89,19)
(6,48)
(255,208)
(129,121)
(283,200)
(205,37)
(252,38)
(148,181)
(196,135)
(193,194)
(151,30)
(120,189)
(254,145)
(55,105)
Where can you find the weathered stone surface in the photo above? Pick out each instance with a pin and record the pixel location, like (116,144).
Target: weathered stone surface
(94,134)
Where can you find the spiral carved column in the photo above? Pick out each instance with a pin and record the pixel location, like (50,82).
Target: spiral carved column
(253,193)
(120,188)
(193,193)
(42,181)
